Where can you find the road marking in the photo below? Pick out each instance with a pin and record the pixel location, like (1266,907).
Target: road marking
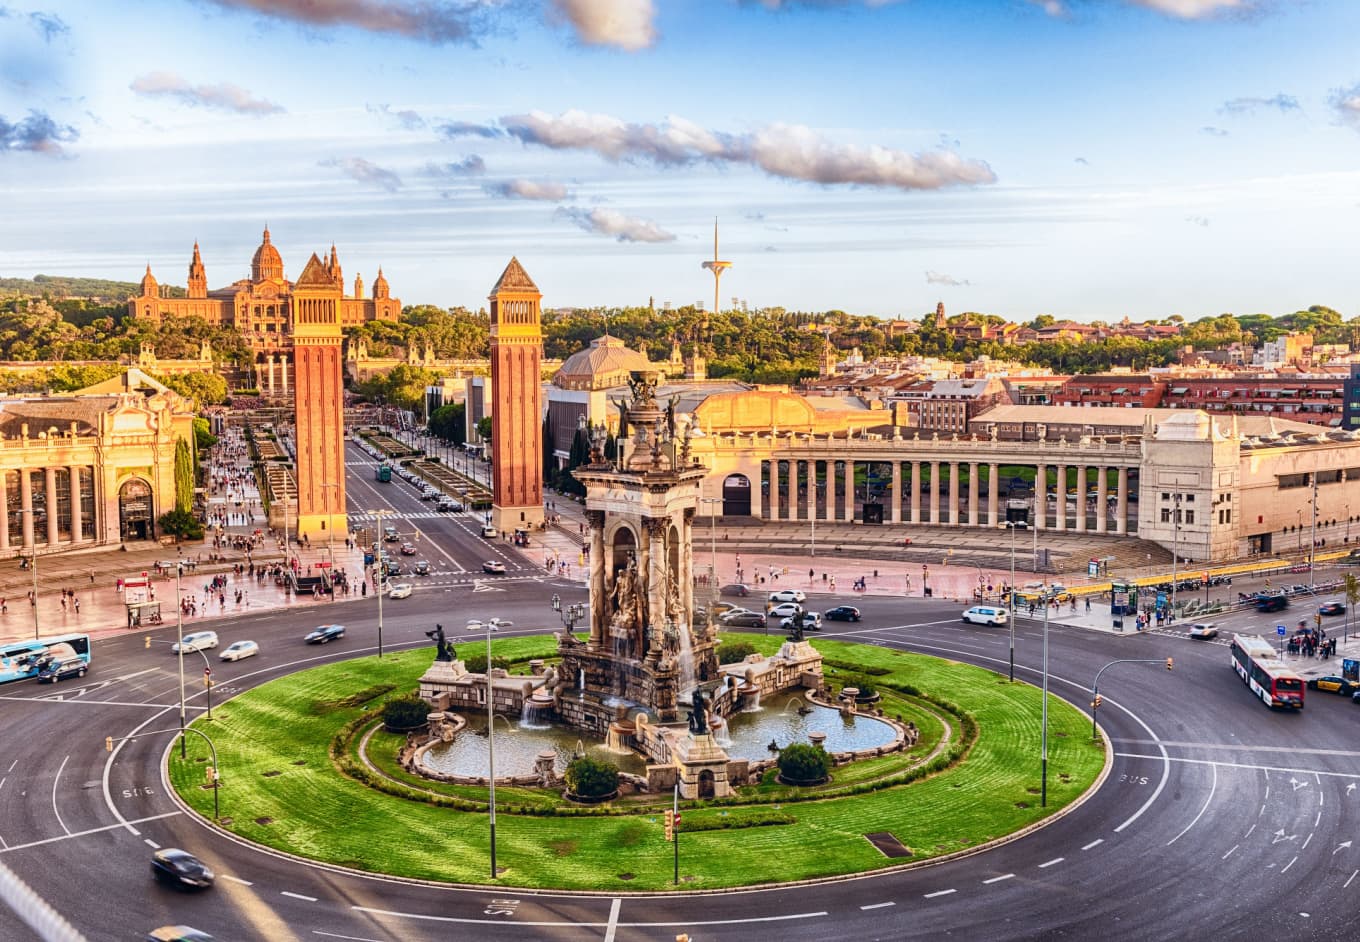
(98,830)
(346,938)
(1004,876)
(1267,794)
(1249,830)
(1213,786)
(150,843)
(1230,852)
(1348,882)
(939,893)
(1238,747)
(368,910)
(305,899)
(1055,860)
(1305,842)
(12,765)
(878,905)
(1094,843)
(55,780)
(1288,865)
(1318,819)
(1235,765)
(613,919)
(228,876)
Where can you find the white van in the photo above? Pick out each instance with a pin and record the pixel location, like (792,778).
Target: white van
(984,615)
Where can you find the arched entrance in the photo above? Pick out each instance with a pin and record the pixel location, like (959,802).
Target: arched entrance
(736,496)
(706,783)
(135,511)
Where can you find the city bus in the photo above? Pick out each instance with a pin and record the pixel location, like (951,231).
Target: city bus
(1268,677)
(383,473)
(22,659)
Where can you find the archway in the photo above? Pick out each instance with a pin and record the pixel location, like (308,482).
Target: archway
(136,512)
(706,783)
(736,496)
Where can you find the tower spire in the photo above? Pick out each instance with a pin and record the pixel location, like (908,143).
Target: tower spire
(717,266)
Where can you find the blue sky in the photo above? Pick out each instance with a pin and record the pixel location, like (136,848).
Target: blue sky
(1083,158)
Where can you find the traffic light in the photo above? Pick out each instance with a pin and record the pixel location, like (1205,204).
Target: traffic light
(1095,704)
(148,641)
(670,825)
(108,744)
(1170,663)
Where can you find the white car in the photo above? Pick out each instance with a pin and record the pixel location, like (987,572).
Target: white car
(985,615)
(239,649)
(788,595)
(197,641)
(494,566)
(784,610)
(490,533)
(399,590)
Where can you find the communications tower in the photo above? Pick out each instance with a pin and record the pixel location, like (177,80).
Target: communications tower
(716,266)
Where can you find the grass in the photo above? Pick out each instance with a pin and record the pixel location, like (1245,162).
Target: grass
(281,788)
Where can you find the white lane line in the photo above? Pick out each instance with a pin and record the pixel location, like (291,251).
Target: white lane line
(150,843)
(1306,841)
(369,910)
(613,919)
(305,899)
(1249,830)
(1004,876)
(1288,865)
(344,938)
(1230,852)
(1054,861)
(12,765)
(1213,787)
(1094,843)
(98,830)
(1318,819)
(1262,811)
(1352,877)
(55,780)
(878,905)
(228,876)
(939,893)
(1239,765)
(1267,794)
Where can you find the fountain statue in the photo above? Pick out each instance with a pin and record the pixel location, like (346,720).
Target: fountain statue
(698,715)
(443,649)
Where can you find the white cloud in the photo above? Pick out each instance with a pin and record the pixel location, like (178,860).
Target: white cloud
(1195,9)
(1345,103)
(431,21)
(1201,221)
(470,166)
(940,278)
(1251,104)
(365,171)
(408,119)
(221,97)
(529,190)
(626,24)
(613,223)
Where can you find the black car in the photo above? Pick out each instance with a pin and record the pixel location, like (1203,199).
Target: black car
(1271,603)
(57,669)
(743,619)
(324,634)
(422,568)
(180,868)
(1332,608)
(842,613)
(739,589)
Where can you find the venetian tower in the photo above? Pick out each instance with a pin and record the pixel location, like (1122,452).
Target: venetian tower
(516,411)
(319,404)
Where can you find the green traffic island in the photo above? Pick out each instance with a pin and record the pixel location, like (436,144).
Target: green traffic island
(307,768)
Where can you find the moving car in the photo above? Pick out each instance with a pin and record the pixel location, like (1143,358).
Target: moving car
(493,566)
(788,595)
(1332,608)
(742,618)
(195,641)
(842,613)
(408,549)
(785,610)
(399,590)
(60,668)
(178,934)
(390,534)
(239,649)
(812,621)
(738,589)
(422,568)
(1333,684)
(1270,603)
(1203,631)
(722,608)
(489,533)
(324,634)
(985,615)
(391,567)
(180,868)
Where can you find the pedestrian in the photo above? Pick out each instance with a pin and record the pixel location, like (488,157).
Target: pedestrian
(1088,605)
(76,602)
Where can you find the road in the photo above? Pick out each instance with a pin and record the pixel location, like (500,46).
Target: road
(1218,815)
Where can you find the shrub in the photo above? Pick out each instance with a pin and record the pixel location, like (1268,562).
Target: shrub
(405,713)
(863,684)
(476,663)
(800,763)
(591,778)
(730,652)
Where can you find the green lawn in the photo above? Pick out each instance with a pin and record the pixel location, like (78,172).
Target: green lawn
(280,787)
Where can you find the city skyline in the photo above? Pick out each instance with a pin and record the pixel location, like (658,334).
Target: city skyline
(1088,160)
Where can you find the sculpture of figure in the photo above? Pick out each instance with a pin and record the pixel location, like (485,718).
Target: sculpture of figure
(796,625)
(698,714)
(443,650)
(642,384)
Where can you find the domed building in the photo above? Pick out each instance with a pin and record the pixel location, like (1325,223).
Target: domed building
(605,364)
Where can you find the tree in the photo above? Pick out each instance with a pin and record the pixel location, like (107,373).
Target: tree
(449,423)
(484,428)
(802,764)
(181,524)
(203,389)
(203,438)
(184,476)
(1352,585)
(591,778)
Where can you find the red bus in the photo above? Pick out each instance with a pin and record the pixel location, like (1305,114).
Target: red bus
(1268,677)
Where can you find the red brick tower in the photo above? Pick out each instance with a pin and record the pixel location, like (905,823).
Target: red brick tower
(318,362)
(516,410)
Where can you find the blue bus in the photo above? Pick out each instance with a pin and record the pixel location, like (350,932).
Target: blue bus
(383,473)
(22,659)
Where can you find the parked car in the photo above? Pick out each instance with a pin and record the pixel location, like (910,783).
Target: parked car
(490,533)
(493,566)
(1332,608)
(60,668)
(178,934)
(812,621)
(239,649)
(422,568)
(737,589)
(788,595)
(448,505)
(429,493)
(1203,631)
(180,868)
(742,618)
(399,590)
(324,634)
(784,610)
(195,641)
(985,615)
(1333,684)
(843,613)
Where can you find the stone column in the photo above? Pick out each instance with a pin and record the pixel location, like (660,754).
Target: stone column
(1081,499)
(896,491)
(26,501)
(4,513)
(283,362)
(77,528)
(50,484)
(1062,497)
(271,374)
(812,489)
(774,489)
(656,585)
(1041,497)
(1102,499)
(972,493)
(1121,521)
(599,592)
(993,493)
(916,492)
(849,492)
(685,577)
(935,492)
(954,494)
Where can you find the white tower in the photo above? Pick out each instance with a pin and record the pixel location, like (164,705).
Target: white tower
(716,266)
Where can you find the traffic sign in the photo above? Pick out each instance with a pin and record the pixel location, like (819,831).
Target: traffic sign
(207,672)
(1280,630)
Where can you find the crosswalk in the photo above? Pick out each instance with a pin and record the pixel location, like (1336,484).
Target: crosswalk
(404,515)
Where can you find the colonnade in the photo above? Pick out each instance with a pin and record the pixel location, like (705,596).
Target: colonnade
(827,489)
(264,375)
(47,506)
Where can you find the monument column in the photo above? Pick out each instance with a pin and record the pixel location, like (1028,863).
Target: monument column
(26,502)
(850,492)
(1041,497)
(599,592)
(516,412)
(812,489)
(1121,520)
(972,493)
(916,492)
(656,585)
(774,488)
(319,410)
(993,494)
(77,529)
(896,491)
(935,492)
(1102,499)
(686,574)
(954,517)
(1081,498)
(50,502)
(271,374)
(283,364)
(1062,497)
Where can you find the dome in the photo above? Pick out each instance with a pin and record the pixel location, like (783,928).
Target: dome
(267,263)
(605,364)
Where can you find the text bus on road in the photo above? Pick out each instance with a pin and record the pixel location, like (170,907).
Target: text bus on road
(1261,669)
(383,473)
(21,659)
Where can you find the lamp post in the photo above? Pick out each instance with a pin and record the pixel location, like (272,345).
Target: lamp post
(382,578)
(712,543)
(179,651)
(489,626)
(1348,523)
(330,533)
(1175,549)
(813,487)
(1043,762)
(1010,525)
(33,564)
(1298,528)
(1312,539)
(569,615)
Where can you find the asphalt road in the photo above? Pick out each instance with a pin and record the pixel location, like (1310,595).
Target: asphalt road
(1219,816)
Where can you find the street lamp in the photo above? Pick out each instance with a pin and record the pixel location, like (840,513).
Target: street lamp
(382,577)
(712,543)
(1043,784)
(330,534)
(569,615)
(490,625)
(813,487)
(33,564)
(1010,525)
(1175,550)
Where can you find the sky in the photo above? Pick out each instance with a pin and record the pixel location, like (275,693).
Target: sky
(1090,159)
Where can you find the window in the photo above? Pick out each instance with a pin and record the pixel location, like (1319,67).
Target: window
(1189,516)
(1166,515)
